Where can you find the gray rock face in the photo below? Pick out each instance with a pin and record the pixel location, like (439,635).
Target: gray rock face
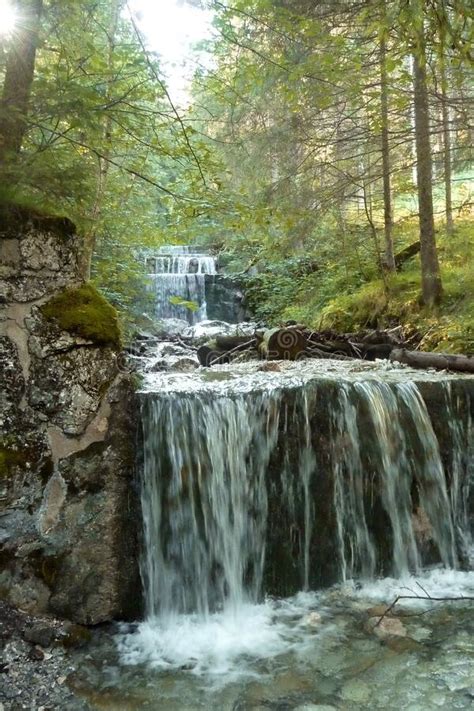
(225,298)
(67,427)
(37,255)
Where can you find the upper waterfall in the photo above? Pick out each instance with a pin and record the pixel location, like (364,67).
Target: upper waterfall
(177,275)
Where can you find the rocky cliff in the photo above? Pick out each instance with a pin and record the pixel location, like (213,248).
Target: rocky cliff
(67,427)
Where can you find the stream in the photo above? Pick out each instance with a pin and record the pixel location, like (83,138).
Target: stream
(281,509)
(285,506)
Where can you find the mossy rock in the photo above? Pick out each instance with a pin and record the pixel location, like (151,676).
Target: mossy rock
(17,216)
(84,312)
(9,459)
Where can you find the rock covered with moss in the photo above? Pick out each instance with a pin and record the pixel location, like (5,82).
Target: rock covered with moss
(85,313)
(67,535)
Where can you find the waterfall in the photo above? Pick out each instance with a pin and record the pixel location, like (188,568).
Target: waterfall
(460,464)
(356,549)
(177,275)
(405,452)
(290,487)
(204,500)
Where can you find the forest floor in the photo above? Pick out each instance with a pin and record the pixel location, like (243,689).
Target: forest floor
(355,299)
(396,300)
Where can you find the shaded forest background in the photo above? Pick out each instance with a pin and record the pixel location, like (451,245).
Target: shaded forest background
(320,141)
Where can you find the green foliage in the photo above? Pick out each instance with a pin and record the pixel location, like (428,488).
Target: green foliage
(119,273)
(85,313)
(293,112)
(379,304)
(275,165)
(178,301)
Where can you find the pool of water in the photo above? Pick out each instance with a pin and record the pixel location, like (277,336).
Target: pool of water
(315,651)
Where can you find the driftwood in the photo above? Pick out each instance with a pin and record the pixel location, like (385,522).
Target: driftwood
(246,345)
(425,596)
(208,353)
(226,343)
(296,341)
(439,361)
(283,344)
(215,352)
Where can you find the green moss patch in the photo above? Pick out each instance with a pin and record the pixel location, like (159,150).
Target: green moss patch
(15,217)
(9,459)
(84,312)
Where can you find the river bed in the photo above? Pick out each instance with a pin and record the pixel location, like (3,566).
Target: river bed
(312,652)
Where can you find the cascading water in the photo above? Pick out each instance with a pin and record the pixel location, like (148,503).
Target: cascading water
(177,275)
(204,500)
(260,484)
(212,461)
(405,453)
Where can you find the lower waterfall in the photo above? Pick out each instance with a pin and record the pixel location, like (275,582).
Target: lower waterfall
(261,490)
(221,470)
(204,500)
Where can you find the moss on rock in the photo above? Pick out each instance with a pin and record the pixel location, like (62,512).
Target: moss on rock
(9,459)
(84,312)
(17,216)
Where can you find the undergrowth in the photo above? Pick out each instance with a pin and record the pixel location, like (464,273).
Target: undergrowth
(348,297)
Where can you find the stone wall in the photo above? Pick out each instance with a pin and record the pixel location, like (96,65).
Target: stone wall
(69,510)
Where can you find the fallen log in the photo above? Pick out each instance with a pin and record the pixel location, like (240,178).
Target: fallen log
(373,352)
(227,343)
(376,338)
(215,352)
(229,355)
(439,361)
(282,344)
(405,254)
(294,342)
(208,353)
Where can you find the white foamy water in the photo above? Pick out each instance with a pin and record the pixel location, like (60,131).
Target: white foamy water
(222,644)
(435,583)
(241,643)
(251,377)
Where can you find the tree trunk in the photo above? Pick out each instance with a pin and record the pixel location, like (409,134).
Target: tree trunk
(103,162)
(387,188)
(19,73)
(446,145)
(406,253)
(430,273)
(283,344)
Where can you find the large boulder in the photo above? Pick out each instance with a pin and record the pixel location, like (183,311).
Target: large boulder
(67,427)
